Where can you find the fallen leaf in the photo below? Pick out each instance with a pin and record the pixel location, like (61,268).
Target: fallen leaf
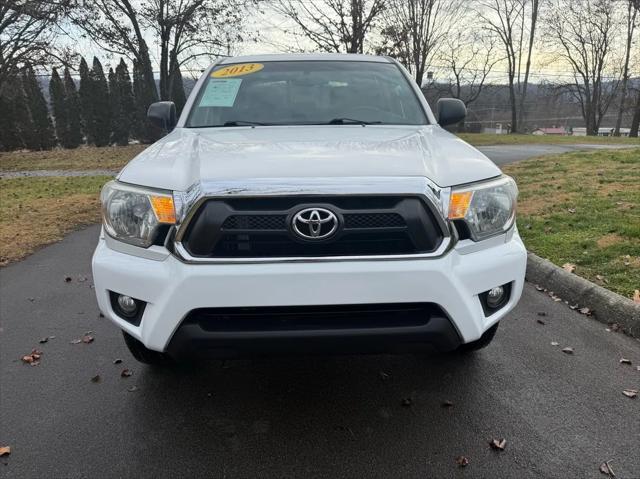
(31,299)
(614,327)
(5,450)
(539,321)
(101,315)
(571,210)
(384,376)
(82,279)
(605,468)
(630,393)
(625,361)
(539,288)
(586,311)
(43,340)
(32,358)
(567,350)
(132,389)
(498,444)
(569,267)
(462,461)
(67,279)
(95,379)
(636,296)
(447,404)
(406,402)
(554,343)
(573,306)
(126,373)
(599,277)
(637,368)
(76,341)
(87,339)
(117,361)
(541,313)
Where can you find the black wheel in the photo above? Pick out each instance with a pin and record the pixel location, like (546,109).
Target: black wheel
(145,355)
(483,342)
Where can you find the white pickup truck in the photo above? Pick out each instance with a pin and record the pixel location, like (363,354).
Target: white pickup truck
(302,204)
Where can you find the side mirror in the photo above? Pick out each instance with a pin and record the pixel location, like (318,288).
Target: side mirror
(450,111)
(163,115)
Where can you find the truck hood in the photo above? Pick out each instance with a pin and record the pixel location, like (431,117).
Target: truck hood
(187,156)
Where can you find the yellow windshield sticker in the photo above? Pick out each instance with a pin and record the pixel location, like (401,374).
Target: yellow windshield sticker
(237,70)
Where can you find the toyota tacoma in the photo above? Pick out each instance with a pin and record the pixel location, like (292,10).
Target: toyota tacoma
(302,204)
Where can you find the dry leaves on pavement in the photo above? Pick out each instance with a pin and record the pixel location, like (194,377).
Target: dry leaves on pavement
(567,350)
(32,358)
(630,393)
(126,373)
(5,450)
(636,296)
(605,468)
(498,444)
(569,267)
(462,461)
(625,361)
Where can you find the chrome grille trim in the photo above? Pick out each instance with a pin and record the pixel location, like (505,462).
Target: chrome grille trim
(187,204)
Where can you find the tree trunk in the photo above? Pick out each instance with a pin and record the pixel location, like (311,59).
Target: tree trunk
(512,101)
(635,123)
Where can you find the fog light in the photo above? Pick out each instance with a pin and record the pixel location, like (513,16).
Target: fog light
(495,296)
(127,304)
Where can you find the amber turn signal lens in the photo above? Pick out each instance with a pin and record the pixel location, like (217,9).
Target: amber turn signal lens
(459,204)
(163,208)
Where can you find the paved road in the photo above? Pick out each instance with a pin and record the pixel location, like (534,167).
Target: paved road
(504,154)
(562,415)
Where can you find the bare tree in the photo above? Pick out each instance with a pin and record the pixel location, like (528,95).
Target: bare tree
(414,30)
(633,6)
(332,25)
(191,29)
(27,29)
(116,26)
(513,22)
(584,31)
(469,57)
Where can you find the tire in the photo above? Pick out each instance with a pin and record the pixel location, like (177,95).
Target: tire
(145,355)
(480,343)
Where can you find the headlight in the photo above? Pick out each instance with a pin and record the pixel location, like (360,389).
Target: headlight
(134,214)
(488,208)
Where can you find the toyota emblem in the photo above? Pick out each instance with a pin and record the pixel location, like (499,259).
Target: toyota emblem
(314,223)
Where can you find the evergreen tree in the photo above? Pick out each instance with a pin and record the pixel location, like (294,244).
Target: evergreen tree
(177,90)
(100,127)
(85,94)
(56,93)
(123,111)
(117,132)
(10,134)
(145,132)
(72,105)
(42,137)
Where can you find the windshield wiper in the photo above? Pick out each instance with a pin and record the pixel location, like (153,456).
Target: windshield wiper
(243,123)
(346,121)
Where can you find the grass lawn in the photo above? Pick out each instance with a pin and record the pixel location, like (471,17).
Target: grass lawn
(484,139)
(83,158)
(584,209)
(38,211)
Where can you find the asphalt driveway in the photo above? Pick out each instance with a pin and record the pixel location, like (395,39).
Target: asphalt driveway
(376,416)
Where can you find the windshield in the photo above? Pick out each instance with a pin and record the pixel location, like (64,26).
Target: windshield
(306,93)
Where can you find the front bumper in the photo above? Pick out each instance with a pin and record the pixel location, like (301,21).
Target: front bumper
(172,289)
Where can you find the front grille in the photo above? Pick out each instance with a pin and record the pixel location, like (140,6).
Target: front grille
(297,318)
(255,222)
(373,220)
(262,227)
